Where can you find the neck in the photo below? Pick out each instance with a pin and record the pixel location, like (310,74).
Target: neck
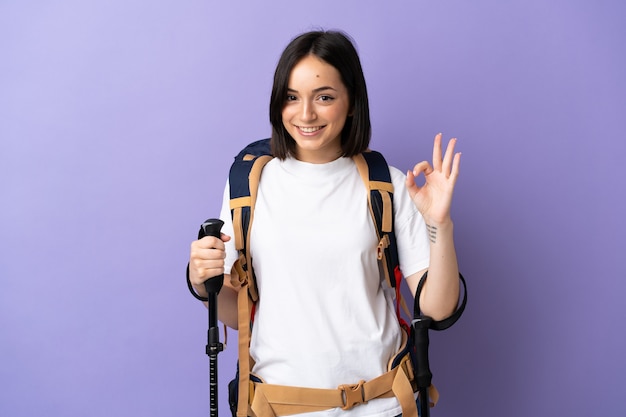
(317,157)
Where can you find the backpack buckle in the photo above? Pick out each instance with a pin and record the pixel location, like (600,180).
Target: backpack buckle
(382,245)
(352,394)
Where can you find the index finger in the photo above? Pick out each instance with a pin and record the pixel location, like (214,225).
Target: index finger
(210,242)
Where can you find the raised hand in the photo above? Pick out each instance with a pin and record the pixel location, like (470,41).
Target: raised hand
(434,198)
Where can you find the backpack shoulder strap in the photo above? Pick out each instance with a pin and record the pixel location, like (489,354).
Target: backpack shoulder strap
(244,177)
(375,174)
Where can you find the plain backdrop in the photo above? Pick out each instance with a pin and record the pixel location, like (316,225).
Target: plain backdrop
(119,119)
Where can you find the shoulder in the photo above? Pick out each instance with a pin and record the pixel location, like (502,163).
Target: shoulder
(401,199)
(253,149)
(397,176)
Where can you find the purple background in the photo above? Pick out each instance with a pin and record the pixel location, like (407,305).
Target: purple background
(118,120)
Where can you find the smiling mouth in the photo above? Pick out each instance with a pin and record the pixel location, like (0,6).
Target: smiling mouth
(311,129)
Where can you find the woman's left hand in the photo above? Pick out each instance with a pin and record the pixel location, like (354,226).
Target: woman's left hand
(434,198)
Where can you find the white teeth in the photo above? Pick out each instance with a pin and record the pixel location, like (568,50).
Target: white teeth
(309,129)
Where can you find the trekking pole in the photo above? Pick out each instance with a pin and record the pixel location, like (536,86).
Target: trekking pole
(423,377)
(212,227)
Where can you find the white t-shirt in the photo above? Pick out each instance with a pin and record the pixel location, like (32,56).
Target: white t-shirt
(324,317)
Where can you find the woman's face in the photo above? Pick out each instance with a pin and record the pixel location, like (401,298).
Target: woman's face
(316,109)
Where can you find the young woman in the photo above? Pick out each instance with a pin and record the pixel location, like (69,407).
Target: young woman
(324,318)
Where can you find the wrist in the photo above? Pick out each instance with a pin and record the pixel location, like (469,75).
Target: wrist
(440,222)
(199,292)
(437,230)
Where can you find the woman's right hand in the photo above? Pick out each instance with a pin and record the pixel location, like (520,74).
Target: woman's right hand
(206,260)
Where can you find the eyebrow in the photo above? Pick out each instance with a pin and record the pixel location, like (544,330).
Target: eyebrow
(317,90)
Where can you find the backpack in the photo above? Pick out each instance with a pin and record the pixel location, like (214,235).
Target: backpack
(244,178)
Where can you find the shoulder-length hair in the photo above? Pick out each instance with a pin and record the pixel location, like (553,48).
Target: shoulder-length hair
(337,49)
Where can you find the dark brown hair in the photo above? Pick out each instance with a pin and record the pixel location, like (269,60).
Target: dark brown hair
(337,49)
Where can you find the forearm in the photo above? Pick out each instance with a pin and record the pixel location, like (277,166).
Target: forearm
(227,306)
(440,294)
(226,303)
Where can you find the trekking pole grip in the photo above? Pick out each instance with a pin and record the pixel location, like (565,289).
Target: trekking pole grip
(212,227)
(421,325)
(423,375)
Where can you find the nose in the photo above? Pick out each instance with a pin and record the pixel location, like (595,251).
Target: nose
(307,111)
